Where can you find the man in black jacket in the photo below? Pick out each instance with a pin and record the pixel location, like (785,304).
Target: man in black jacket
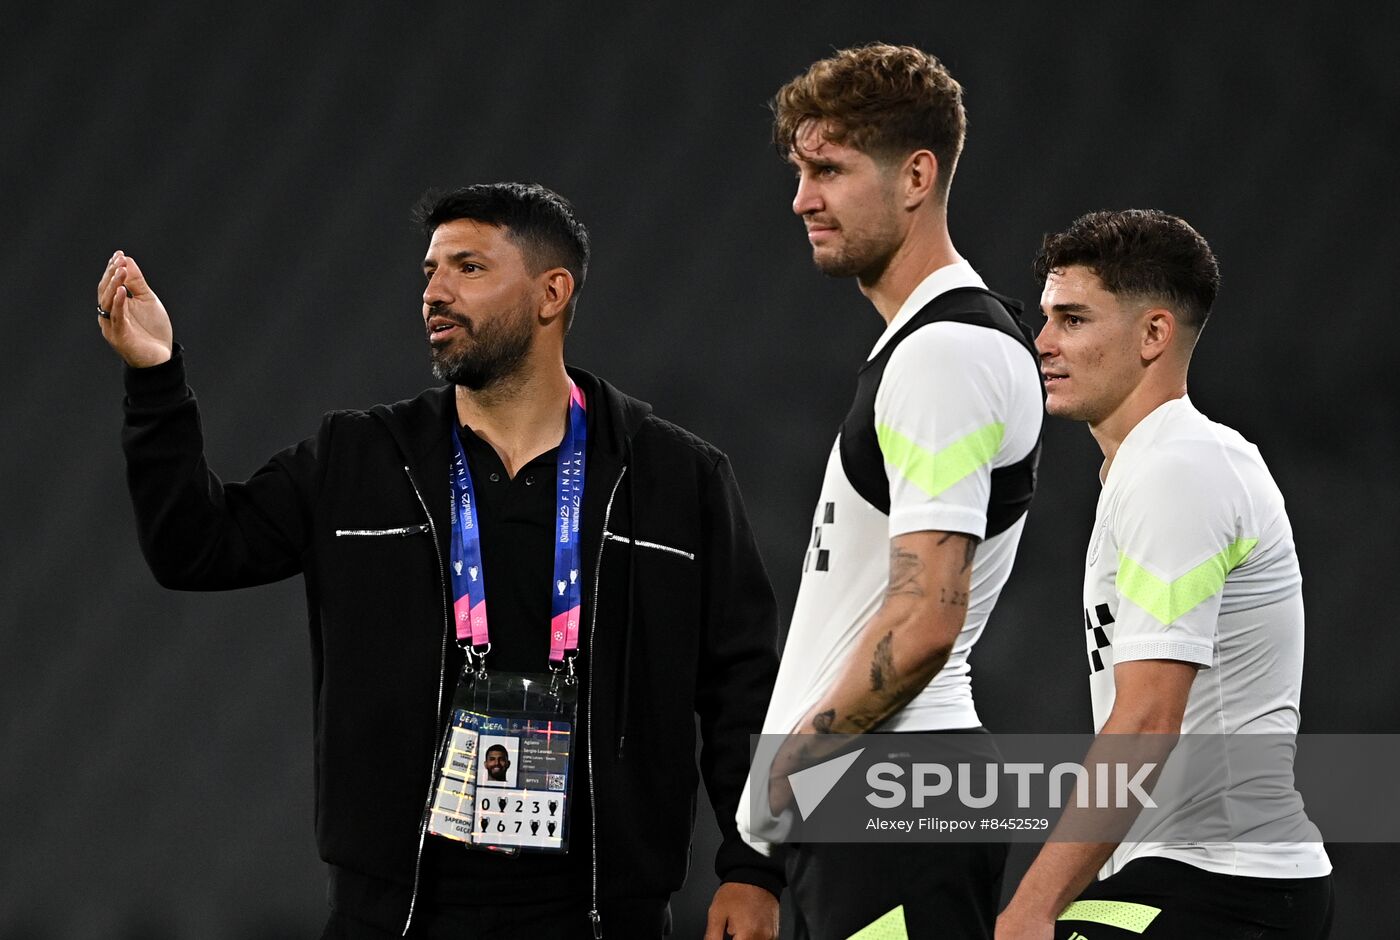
(676,616)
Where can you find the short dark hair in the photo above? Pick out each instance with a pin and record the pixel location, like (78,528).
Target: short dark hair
(499,747)
(1140,253)
(540,221)
(887,101)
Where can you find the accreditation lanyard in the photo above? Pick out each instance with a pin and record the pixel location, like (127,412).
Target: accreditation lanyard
(468,574)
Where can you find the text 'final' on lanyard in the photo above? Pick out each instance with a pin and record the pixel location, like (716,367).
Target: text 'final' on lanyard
(566,590)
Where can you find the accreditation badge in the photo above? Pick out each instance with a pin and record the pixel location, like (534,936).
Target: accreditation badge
(505,775)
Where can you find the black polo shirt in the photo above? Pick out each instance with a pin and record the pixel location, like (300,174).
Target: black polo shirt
(516,518)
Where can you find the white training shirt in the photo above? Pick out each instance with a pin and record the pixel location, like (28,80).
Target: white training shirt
(1192,559)
(955,401)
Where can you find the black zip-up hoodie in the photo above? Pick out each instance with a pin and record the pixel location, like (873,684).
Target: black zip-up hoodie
(678,620)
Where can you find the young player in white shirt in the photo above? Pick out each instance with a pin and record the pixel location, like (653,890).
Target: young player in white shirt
(1192,596)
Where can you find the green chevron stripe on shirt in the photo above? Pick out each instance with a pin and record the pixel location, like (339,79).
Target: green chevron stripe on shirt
(887,927)
(1125,915)
(935,471)
(1168,601)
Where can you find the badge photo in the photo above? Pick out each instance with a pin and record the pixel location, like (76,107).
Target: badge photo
(499,757)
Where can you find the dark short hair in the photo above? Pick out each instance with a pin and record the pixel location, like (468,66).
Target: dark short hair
(540,221)
(887,101)
(1139,253)
(499,747)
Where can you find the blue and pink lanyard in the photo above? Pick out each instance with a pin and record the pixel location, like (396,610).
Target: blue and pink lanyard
(468,575)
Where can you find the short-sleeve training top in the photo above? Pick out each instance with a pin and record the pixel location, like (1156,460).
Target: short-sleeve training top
(1191,558)
(955,402)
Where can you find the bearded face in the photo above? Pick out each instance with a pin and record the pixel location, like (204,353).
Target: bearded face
(479,305)
(478,352)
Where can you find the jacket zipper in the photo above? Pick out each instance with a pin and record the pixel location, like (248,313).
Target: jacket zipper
(437,715)
(400,530)
(442,666)
(593,914)
(656,545)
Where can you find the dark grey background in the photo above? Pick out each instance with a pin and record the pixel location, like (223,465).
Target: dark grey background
(260,163)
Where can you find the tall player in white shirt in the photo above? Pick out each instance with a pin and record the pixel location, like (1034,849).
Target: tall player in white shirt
(925,492)
(1193,604)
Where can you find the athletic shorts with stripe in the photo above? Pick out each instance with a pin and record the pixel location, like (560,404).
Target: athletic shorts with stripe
(894,889)
(1163,899)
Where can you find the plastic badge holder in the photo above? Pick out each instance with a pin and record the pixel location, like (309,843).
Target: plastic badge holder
(505,777)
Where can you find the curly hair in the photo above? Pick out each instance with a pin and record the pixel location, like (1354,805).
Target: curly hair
(885,100)
(1139,253)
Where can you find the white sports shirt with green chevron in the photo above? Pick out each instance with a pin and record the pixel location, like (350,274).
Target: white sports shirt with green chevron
(955,402)
(1191,559)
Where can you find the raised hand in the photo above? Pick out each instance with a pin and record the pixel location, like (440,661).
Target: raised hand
(131,316)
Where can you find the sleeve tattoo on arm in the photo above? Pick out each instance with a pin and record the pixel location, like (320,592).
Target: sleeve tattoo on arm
(882,663)
(969,547)
(908,577)
(905,571)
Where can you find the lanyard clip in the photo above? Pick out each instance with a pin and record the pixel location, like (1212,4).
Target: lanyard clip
(479,656)
(566,670)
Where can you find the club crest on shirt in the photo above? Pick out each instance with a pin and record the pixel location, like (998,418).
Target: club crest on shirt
(1097,542)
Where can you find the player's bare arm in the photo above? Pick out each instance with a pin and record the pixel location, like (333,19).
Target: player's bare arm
(908,640)
(899,650)
(1151,700)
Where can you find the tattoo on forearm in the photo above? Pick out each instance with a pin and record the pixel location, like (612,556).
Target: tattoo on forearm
(862,721)
(905,570)
(970,544)
(882,663)
(822,721)
(909,577)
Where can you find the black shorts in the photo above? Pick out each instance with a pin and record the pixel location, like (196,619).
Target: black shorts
(1163,899)
(945,889)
